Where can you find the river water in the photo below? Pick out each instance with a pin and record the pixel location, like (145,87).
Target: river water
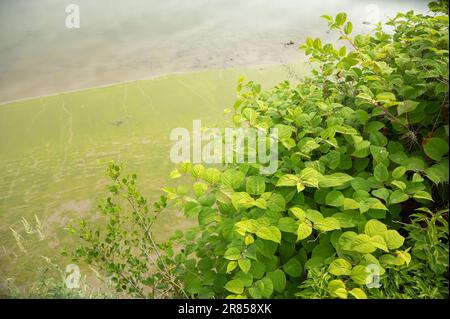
(122,40)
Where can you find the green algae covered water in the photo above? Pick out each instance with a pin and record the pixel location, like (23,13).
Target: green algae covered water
(54,150)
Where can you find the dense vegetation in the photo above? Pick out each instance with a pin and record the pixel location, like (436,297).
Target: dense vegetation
(358,207)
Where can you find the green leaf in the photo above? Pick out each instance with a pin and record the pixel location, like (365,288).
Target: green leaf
(340,18)
(438,173)
(304,229)
(348,28)
(382,193)
(310,177)
(381,172)
(406,106)
(359,275)
(364,96)
(334,180)
(298,212)
(232,253)
(327,224)
(337,289)
(399,184)
(231,266)
(269,233)
(334,198)
(379,242)
(198,171)
(374,227)
(288,180)
(262,289)
(422,195)
(255,185)
(340,267)
(435,148)
(358,293)
(212,175)
(398,197)
(175,173)
(288,224)
(398,172)
(385,97)
(362,244)
(293,267)
(350,204)
(199,188)
(206,215)
(242,200)
(278,279)
(393,239)
(245,264)
(234,286)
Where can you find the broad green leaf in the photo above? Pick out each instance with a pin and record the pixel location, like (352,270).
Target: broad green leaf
(398,196)
(206,216)
(379,242)
(350,204)
(438,173)
(406,106)
(362,244)
(247,226)
(269,233)
(175,173)
(435,148)
(360,276)
(245,264)
(398,172)
(393,239)
(382,193)
(345,220)
(422,195)
(327,224)
(288,180)
(255,185)
(358,293)
(310,177)
(337,289)
(348,28)
(231,266)
(340,267)
(278,279)
(293,267)
(334,180)
(374,227)
(340,18)
(404,255)
(232,253)
(199,188)
(198,171)
(234,286)
(212,175)
(298,212)
(242,200)
(381,173)
(385,97)
(276,203)
(334,198)
(288,224)
(304,229)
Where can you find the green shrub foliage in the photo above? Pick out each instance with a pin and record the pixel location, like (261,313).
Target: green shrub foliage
(363,145)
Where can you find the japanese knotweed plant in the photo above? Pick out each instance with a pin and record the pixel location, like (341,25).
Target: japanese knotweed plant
(363,143)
